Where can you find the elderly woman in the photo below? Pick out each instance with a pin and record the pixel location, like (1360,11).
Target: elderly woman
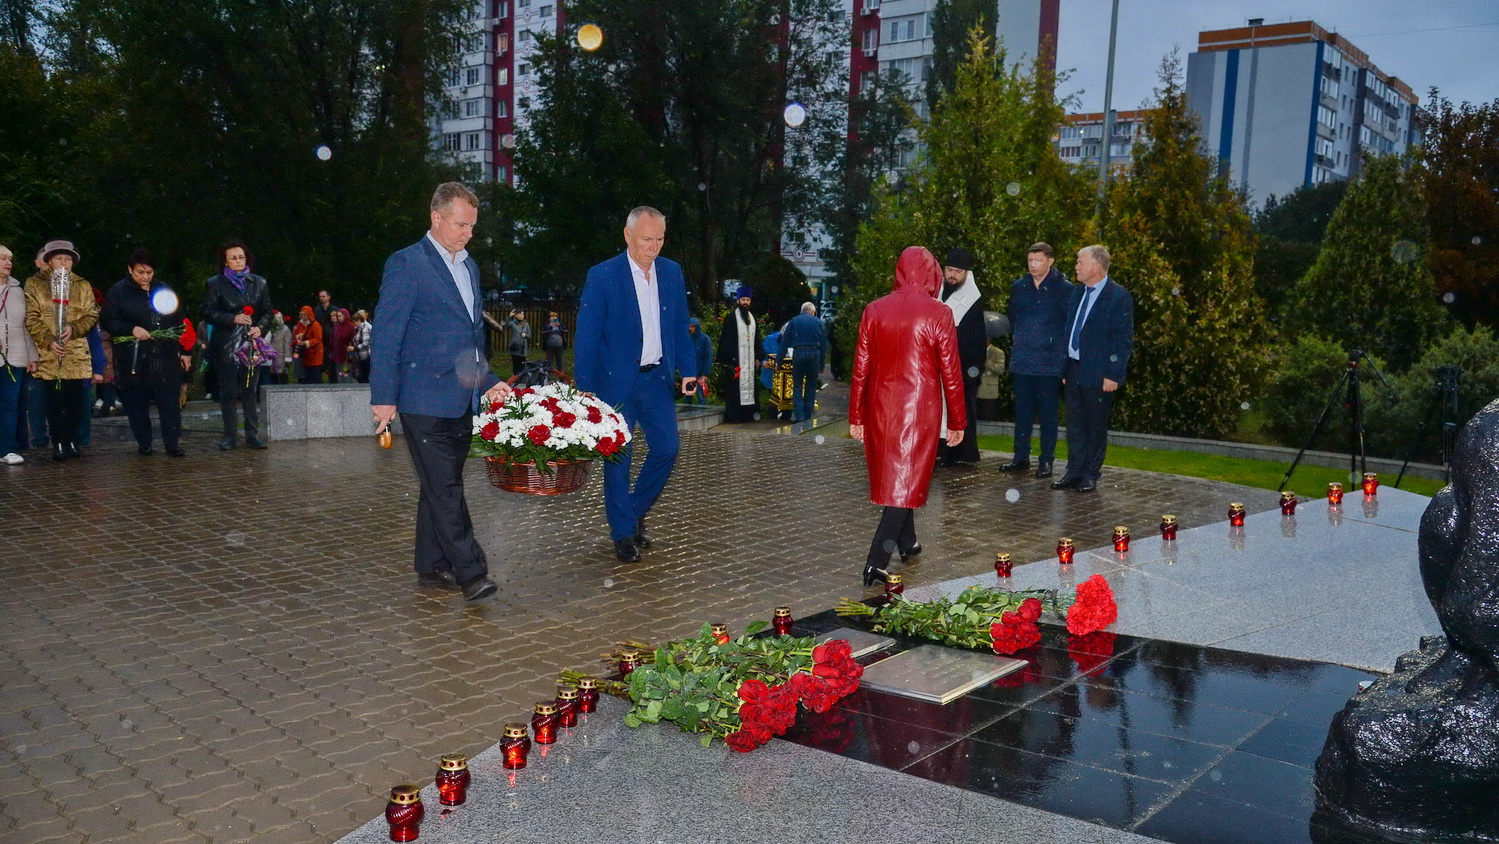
(65,361)
(281,342)
(149,365)
(337,347)
(307,343)
(359,350)
(237,303)
(18,361)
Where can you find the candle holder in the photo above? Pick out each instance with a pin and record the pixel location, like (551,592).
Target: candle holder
(1065,550)
(895,585)
(453,778)
(720,633)
(544,723)
(1168,528)
(781,621)
(567,706)
(629,660)
(515,746)
(1121,539)
(404,813)
(1288,503)
(1236,514)
(1371,483)
(588,694)
(1334,493)
(1003,566)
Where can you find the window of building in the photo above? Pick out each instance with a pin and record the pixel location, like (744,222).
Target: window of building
(523,103)
(502,76)
(471,75)
(871,39)
(1071,132)
(473,108)
(471,141)
(474,43)
(545,11)
(502,173)
(502,9)
(450,142)
(1118,150)
(910,29)
(928,33)
(523,70)
(1327,117)
(866,81)
(522,4)
(1329,87)
(501,108)
(454,74)
(502,43)
(523,36)
(894,31)
(1324,147)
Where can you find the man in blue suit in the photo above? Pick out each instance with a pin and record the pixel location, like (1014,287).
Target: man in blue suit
(427,363)
(1101,322)
(631,337)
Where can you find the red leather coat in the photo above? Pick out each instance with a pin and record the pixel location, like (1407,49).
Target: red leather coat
(905,367)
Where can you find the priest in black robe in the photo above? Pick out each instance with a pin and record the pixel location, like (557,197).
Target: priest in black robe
(961,293)
(740,350)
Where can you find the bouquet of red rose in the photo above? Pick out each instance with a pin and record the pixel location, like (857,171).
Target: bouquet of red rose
(744,691)
(547,423)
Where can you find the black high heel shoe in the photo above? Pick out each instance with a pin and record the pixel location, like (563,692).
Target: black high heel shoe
(872,574)
(913,551)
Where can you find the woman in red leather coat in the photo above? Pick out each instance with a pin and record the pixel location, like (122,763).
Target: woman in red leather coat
(906,366)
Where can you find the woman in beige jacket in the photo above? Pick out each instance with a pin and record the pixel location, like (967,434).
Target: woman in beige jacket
(64,361)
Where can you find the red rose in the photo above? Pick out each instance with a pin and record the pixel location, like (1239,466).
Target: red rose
(780,704)
(1013,633)
(594,416)
(490,431)
(1095,608)
(833,650)
(742,741)
(563,419)
(1030,609)
(539,434)
(248,310)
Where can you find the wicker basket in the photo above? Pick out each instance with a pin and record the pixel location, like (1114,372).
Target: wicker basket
(566,476)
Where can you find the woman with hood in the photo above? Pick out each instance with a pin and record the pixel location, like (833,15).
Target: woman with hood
(702,346)
(307,342)
(905,369)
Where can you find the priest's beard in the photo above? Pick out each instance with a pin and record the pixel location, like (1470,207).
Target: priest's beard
(948,288)
(744,314)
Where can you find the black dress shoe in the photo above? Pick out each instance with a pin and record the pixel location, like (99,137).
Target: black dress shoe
(1016,466)
(71,450)
(254,442)
(226,443)
(58,453)
(175,451)
(872,574)
(913,551)
(641,538)
(1043,469)
(436,579)
(1066,483)
(1086,486)
(625,551)
(479,588)
(145,451)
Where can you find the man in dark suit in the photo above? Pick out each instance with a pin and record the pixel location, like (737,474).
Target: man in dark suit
(1101,322)
(426,363)
(631,336)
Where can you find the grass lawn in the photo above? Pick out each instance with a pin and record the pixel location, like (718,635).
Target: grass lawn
(1308,482)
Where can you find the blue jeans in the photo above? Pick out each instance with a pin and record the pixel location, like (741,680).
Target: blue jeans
(1036,397)
(12,400)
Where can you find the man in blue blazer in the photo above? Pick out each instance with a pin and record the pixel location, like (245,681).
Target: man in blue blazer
(1101,326)
(427,363)
(631,337)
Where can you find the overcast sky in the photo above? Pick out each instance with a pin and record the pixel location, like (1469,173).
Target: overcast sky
(1450,44)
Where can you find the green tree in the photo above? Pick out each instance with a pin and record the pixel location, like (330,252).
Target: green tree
(952,21)
(1459,173)
(1370,287)
(1288,233)
(1184,247)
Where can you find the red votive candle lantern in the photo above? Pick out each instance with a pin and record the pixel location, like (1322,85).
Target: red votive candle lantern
(1065,550)
(588,694)
(1121,538)
(1288,503)
(781,621)
(1371,483)
(1168,528)
(720,633)
(404,813)
(515,746)
(896,585)
(453,779)
(629,660)
(544,723)
(1334,493)
(1236,514)
(1003,566)
(567,706)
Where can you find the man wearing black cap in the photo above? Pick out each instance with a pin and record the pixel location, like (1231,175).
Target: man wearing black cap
(961,294)
(740,350)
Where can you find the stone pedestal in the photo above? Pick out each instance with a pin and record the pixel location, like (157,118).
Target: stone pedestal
(314,411)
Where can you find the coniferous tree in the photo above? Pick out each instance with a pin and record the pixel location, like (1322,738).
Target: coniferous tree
(952,21)
(1459,170)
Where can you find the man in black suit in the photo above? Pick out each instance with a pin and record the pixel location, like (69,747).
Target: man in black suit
(1101,324)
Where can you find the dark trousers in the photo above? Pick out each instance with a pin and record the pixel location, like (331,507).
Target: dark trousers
(554,358)
(651,406)
(1037,399)
(444,532)
(64,409)
(516,362)
(806,365)
(236,392)
(137,401)
(1088,411)
(966,451)
(896,531)
(38,397)
(12,409)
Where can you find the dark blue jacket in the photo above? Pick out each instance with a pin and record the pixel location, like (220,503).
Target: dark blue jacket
(804,333)
(703,344)
(1038,321)
(606,348)
(1108,337)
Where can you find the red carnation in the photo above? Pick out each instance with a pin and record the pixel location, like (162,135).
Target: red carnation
(490,431)
(494,407)
(1013,633)
(189,338)
(594,416)
(539,435)
(1095,608)
(607,447)
(563,419)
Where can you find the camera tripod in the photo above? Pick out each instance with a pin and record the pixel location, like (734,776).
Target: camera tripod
(1445,409)
(1354,402)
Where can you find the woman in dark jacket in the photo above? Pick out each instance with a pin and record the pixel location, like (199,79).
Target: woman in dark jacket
(238,305)
(149,365)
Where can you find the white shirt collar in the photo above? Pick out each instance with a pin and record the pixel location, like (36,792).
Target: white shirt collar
(442,250)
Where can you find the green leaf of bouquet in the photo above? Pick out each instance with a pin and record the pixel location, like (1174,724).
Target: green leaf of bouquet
(706,740)
(631,720)
(755,627)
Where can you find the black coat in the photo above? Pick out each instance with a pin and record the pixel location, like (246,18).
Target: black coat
(222,302)
(152,364)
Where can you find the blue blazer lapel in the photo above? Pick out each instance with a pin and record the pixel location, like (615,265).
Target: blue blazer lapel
(444,279)
(631,306)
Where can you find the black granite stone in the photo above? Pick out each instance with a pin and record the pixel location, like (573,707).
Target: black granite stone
(1176,717)
(1287,740)
(1134,752)
(1197,817)
(867,738)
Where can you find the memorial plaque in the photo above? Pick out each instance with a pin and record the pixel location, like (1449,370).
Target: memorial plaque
(859,641)
(935,673)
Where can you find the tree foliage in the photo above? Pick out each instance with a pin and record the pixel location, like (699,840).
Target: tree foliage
(1183,246)
(1460,178)
(1288,233)
(1370,287)
(952,21)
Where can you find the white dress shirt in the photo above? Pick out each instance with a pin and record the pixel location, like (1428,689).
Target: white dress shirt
(458,268)
(1090,298)
(648,296)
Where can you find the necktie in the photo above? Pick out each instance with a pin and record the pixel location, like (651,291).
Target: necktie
(1082,314)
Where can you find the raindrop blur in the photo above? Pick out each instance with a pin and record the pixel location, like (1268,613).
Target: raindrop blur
(1013,189)
(914,748)
(973,372)
(1176,291)
(1477,240)
(1012,495)
(164,301)
(1244,405)
(820,439)
(608,582)
(1113,358)
(702,185)
(795,115)
(507,141)
(1404,251)
(590,37)
(1449,297)
(755,417)
(324,153)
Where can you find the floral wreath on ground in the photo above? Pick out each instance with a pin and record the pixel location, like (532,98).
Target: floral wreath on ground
(549,423)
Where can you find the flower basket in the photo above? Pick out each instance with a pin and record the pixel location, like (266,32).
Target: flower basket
(555,477)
